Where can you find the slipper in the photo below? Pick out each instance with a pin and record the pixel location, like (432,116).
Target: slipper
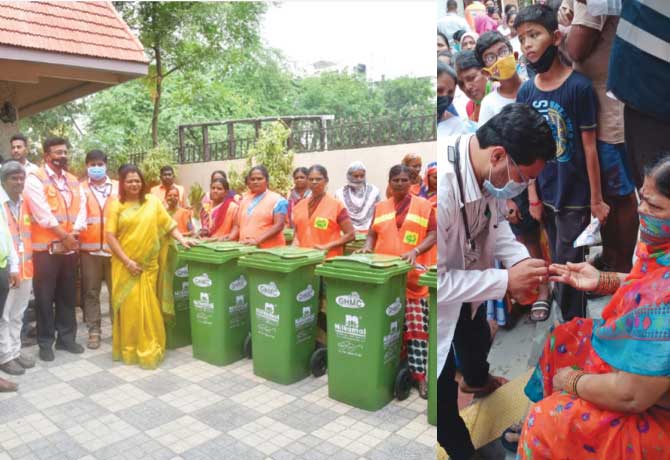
(511,446)
(493,383)
(540,311)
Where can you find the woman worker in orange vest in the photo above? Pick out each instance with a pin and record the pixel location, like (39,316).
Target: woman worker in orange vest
(414,163)
(181,216)
(405,226)
(223,212)
(321,221)
(262,215)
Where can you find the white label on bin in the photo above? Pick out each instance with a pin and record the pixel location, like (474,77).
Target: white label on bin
(268,313)
(238,284)
(238,312)
(202,281)
(306,295)
(269,290)
(350,336)
(182,272)
(203,303)
(182,293)
(392,343)
(304,325)
(394,308)
(352,300)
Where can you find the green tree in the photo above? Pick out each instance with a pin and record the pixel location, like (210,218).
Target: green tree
(182,36)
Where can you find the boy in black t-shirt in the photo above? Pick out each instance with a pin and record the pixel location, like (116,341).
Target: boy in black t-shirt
(568,189)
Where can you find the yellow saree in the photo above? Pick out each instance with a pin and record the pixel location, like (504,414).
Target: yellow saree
(138,334)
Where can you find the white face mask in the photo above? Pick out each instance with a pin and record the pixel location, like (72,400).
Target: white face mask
(509,190)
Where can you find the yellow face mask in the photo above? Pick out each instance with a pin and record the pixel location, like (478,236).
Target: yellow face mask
(503,69)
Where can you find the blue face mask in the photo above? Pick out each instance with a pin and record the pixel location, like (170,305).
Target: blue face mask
(654,230)
(511,188)
(97,172)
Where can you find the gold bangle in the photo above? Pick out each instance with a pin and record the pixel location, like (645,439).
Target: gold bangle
(579,376)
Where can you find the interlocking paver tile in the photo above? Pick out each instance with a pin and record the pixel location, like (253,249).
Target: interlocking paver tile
(149,414)
(99,432)
(74,412)
(190,398)
(183,434)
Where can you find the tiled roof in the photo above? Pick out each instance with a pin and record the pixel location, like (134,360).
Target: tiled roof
(82,28)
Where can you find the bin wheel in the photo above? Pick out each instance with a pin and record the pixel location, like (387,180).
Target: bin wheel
(247,347)
(403,384)
(319,362)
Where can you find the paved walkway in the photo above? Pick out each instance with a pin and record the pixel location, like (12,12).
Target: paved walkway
(84,407)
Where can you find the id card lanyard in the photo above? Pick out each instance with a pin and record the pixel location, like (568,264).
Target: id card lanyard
(454,156)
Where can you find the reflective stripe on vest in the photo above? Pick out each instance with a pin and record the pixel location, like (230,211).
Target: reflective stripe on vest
(64,214)
(21,237)
(93,237)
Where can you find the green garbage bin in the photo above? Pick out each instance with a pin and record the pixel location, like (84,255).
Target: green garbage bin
(178,332)
(219,301)
(356,244)
(284,302)
(366,315)
(430,279)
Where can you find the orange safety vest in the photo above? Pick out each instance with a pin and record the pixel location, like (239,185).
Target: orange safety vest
(322,227)
(260,220)
(182,216)
(64,214)
(21,236)
(93,238)
(159,192)
(431,254)
(397,241)
(228,220)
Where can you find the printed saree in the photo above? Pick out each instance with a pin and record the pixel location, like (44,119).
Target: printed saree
(138,335)
(633,336)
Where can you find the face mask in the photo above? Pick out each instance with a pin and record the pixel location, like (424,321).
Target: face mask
(509,191)
(546,60)
(503,69)
(443,103)
(97,172)
(60,162)
(654,230)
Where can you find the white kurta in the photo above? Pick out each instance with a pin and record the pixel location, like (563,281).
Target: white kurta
(465,275)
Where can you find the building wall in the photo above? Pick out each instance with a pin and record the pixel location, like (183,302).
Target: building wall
(378,161)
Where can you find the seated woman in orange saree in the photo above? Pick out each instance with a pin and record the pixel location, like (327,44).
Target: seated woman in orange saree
(605,383)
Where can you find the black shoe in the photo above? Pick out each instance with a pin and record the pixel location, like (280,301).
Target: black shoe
(72,347)
(46,354)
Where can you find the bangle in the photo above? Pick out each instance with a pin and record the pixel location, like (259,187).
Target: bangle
(608,283)
(571,383)
(580,374)
(535,203)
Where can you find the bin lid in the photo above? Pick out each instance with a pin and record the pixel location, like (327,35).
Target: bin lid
(429,278)
(217,252)
(282,259)
(366,268)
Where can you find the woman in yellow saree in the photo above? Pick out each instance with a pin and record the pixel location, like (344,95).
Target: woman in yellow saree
(137,228)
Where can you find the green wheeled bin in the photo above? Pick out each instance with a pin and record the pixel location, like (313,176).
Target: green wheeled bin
(284,302)
(430,279)
(219,301)
(178,332)
(366,315)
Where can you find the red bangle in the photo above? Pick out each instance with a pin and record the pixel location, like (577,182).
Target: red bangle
(535,203)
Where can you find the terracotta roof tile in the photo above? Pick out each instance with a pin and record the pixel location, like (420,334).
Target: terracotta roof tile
(83,28)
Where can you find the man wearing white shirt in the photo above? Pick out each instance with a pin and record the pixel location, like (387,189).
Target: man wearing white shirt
(452,22)
(494,164)
(19,151)
(97,192)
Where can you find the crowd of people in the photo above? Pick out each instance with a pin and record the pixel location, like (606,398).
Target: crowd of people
(549,122)
(55,225)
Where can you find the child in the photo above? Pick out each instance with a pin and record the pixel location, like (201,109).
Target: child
(568,190)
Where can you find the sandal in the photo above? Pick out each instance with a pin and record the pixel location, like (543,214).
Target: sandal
(511,446)
(493,383)
(93,341)
(540,311)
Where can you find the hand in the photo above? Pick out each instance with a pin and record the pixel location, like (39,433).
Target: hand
(188,244)
(70,243)
(14,280)
(565,16)
(513,214)
(600,210)
(134,268)
(250,241)
(582,276)
(524,279)
(322,247)
(410,256)
(560,380)
(363,250)
(536,211)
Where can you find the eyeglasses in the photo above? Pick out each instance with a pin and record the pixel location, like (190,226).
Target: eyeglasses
(491,58)
(525,179)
